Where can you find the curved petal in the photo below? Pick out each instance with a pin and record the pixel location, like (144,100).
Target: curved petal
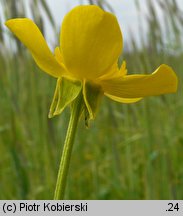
(111,72)
(123,69)
(91,41)
(123,100)
(58,55)
(59,58)
(115,72)
(162,81)
(29,34)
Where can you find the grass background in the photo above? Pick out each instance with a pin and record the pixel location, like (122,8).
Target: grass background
(130,151)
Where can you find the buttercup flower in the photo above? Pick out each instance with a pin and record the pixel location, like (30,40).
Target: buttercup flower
(86,67)
(86,60)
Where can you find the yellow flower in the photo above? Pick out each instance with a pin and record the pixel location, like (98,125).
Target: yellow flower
(90,45)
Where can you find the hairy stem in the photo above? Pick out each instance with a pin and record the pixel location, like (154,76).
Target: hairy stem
(76,110)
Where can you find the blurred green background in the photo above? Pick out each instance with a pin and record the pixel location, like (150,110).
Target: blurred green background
(130,151)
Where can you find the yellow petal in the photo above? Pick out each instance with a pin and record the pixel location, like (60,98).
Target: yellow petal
(29,34)
(162,81)
(91,41)
(123,70)
(123,100)
(111,72)
(58,55)
(114,72)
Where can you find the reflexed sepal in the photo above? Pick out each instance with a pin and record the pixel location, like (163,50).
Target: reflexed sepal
(92,96)
(66,91)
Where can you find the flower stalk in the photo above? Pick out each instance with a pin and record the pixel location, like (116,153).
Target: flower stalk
(76,111)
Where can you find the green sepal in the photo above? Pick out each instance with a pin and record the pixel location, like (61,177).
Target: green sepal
(92,97)
(66,91)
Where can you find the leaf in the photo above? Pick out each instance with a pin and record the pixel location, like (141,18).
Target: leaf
(66,91)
